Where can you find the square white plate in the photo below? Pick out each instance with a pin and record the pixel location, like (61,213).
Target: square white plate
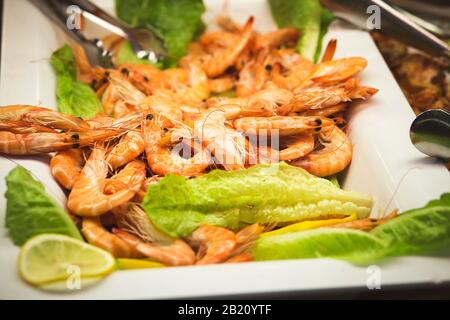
(385,165)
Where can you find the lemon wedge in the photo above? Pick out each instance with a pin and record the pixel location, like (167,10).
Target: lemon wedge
(129,264)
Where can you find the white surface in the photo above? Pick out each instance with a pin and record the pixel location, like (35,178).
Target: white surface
(385,165)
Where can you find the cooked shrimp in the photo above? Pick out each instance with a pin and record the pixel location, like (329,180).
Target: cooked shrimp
(139,76)
(245,238)
(227,24)
(295,69)
(215,244)
(338,70)
(222,84)
(87,197)
(226,144)
(332,158)
(263,103)
(98,236)
(198,88)
(23,127)
(254,74)
(120,95)
(128,122)
(242,257)
(175,253)
(85,72)
(128,148)
(365,224)
(132,173)
(297,146)
(283,126)
(43,117)
(322,97)
(325,112)
(217,62)
(216,40)
(329,51)
(46,142)
(277,38)
(165,106)
(66,166)
(162,160)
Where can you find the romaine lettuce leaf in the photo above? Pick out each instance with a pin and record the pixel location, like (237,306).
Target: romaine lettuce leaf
(125,54)
(31,211)
(177,21)
(265,193)
(420,230)
(346,244)
(73,97)
(308,17)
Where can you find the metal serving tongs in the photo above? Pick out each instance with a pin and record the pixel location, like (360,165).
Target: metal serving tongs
(145,43)
(392,23)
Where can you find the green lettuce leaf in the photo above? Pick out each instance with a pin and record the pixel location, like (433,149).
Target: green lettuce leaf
(73,97)
(30,211)
(420,230)
(326,17)
(265,193)
(308,17)
(177,21)
(346,244)
(125,54)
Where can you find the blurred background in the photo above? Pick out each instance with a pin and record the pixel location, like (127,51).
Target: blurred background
(424,80)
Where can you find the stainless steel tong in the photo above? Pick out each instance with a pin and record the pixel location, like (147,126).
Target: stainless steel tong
(392,23)
(145,43)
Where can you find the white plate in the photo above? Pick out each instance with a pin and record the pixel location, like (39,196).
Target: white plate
(385,165)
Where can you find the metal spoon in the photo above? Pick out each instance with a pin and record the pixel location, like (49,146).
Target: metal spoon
(430,133)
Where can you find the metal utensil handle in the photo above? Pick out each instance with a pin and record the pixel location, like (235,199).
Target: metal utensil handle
(57,12)
(392,23)
(93,13)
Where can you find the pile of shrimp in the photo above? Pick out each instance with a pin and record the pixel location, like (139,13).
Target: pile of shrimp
(179,121)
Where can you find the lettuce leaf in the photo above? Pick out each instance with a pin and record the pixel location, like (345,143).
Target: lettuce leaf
(30,211)
(125,54)
(265,193)
(419,230)
(177,21)
(346,244)
(415,231)
(308,17)
(73,97)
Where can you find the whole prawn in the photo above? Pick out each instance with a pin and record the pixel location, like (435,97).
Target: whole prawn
(282,125)
(98,236)
(174,253)
(332,158)
(67,165)
(87,197)
(215,244)
(162,160)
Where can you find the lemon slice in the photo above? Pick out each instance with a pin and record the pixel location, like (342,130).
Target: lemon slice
(51,258)
(129,264)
